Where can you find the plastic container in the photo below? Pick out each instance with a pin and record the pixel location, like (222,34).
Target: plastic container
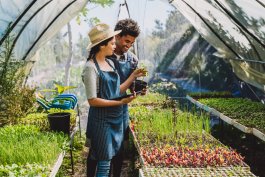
(60,122)
(140,85)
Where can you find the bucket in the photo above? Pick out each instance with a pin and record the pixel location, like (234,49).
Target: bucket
(60,122)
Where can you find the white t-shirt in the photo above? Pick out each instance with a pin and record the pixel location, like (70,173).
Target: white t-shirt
(90,78)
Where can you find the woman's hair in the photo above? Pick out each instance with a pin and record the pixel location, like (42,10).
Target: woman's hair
(94,50)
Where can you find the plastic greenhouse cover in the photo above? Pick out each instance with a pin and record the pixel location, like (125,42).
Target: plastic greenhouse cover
(236,29)
(34,22)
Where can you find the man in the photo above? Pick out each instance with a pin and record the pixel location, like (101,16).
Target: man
(125,62)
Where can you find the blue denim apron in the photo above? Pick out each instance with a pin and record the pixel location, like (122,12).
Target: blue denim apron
(125,69)
(105,124)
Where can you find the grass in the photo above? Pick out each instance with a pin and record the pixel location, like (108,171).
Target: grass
(26,144)
(149,99)
(164,125)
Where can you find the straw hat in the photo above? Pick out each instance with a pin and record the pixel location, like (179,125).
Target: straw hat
(99,33)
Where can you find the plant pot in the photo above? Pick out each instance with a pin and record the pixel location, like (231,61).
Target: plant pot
(60,122)
(140,85)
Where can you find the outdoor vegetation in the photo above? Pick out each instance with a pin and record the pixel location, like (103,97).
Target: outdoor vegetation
(26,150)
(223,94)
(245,111)
(173,138)
(16,98)
(170,133)
(27,147)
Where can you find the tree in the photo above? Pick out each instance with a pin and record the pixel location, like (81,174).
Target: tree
(158,32)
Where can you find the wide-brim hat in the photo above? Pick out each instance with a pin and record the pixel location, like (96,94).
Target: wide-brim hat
(99,33)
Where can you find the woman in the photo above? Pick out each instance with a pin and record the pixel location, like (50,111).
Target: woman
(102,83)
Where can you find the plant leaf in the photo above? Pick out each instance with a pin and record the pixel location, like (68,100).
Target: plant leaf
(48,90)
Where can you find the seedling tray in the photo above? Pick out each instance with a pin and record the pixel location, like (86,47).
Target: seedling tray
(147,171)
(198,172)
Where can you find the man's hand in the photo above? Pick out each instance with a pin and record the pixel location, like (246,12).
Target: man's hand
(140,72)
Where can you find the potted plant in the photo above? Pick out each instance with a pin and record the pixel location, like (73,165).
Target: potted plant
(59,121)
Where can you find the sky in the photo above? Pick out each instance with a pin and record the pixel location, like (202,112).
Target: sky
(145,12)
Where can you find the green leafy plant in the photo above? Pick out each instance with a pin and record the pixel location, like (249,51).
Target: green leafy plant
(25,170)
(59,89)
(167,88)
(151,98)
(16,98)
(247,112)
(26,144)
(223,94)
(173,138)
(38,119)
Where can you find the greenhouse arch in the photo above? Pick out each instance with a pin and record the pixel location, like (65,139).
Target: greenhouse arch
(225,25)
(213,127)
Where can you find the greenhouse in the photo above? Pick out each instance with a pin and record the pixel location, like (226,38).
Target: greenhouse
(191,102)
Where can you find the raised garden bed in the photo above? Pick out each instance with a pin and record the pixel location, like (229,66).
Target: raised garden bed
(27,151)
(172,139)
(41,119)
(243,114)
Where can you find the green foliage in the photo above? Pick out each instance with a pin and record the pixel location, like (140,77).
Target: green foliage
(173,138)
(224,94)
(103,3)
(85,11)
(161,122)
(93,21)
(158,32)
(211,72)
(59,89)
(28,170)
(182,53)
(175,22)
(151,98)
(247,112)
(26,144)
(164,125)
(49,69)
(16,99)
(168,88)
(38,119)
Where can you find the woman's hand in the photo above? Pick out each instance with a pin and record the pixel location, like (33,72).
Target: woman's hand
(128,99)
